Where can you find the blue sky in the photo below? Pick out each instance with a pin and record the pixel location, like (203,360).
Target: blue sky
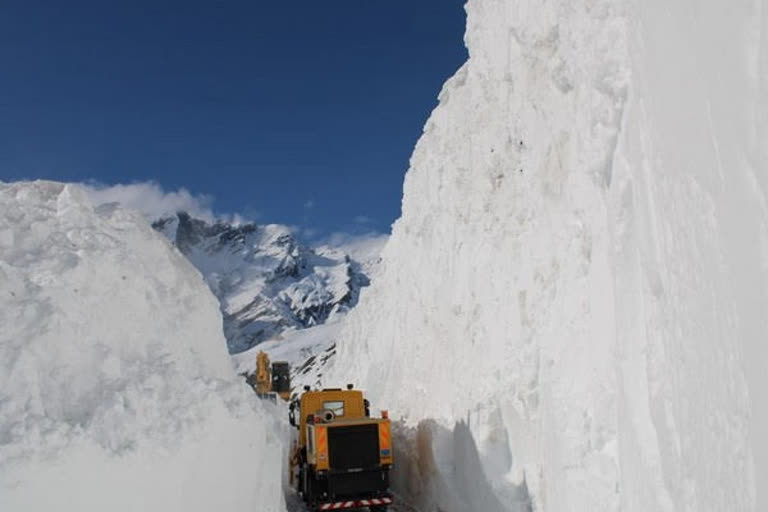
(303,113)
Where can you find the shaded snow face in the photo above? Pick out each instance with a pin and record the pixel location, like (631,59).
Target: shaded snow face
(116,389)
(580,261)
(267,282)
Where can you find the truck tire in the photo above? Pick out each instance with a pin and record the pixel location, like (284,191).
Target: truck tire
(304,485)
(309,492)
(300,483)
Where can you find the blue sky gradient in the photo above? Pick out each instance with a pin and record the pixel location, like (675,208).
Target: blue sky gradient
(303,113)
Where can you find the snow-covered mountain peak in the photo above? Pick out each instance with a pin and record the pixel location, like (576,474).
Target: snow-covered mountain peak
(267,281)
(220,246)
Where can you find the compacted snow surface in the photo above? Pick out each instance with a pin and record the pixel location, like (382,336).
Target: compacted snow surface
(116,389)
(570,313)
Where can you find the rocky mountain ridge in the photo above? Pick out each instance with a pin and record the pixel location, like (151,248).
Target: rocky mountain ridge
(267,281)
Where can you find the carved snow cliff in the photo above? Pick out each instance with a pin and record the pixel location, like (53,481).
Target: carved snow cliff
(581,266)
(116,389)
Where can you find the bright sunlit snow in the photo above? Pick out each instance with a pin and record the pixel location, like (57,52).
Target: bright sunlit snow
(569,316)
(567,306)
(116,389)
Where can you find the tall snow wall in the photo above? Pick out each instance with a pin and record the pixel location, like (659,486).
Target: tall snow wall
(116,389)
(571,309)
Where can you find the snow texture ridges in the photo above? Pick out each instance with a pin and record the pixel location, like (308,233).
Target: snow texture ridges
(116,389)
(580,270)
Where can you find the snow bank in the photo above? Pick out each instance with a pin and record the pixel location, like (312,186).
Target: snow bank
(581,265)
(116,389)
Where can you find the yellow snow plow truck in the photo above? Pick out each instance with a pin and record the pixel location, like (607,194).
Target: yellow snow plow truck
(342,456)
(271,380)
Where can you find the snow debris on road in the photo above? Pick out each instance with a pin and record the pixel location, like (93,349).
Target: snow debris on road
(116,389)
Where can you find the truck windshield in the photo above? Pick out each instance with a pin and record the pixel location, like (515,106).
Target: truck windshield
(336,407)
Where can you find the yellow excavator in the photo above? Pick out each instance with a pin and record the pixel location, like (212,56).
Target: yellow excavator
(341,456)
(271,380)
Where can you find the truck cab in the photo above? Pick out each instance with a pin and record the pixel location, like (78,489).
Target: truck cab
(342,456)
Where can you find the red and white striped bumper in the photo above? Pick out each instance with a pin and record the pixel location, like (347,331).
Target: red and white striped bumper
(340,505)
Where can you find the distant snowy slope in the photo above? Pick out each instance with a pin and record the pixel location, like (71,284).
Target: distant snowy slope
(308,351)
(116,390)
(364,249)
(267,281)
(581,266)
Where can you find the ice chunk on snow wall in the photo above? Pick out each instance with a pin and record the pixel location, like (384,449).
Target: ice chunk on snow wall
(116,389)
(580,271)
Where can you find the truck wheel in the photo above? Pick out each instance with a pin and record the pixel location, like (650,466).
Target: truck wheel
(305,491)
(300,483)
(309,495)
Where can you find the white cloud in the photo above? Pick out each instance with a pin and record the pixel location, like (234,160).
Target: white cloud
(361,247)
(153,201)
(308,233)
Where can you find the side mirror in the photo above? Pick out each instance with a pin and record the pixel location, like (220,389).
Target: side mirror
(292,414)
